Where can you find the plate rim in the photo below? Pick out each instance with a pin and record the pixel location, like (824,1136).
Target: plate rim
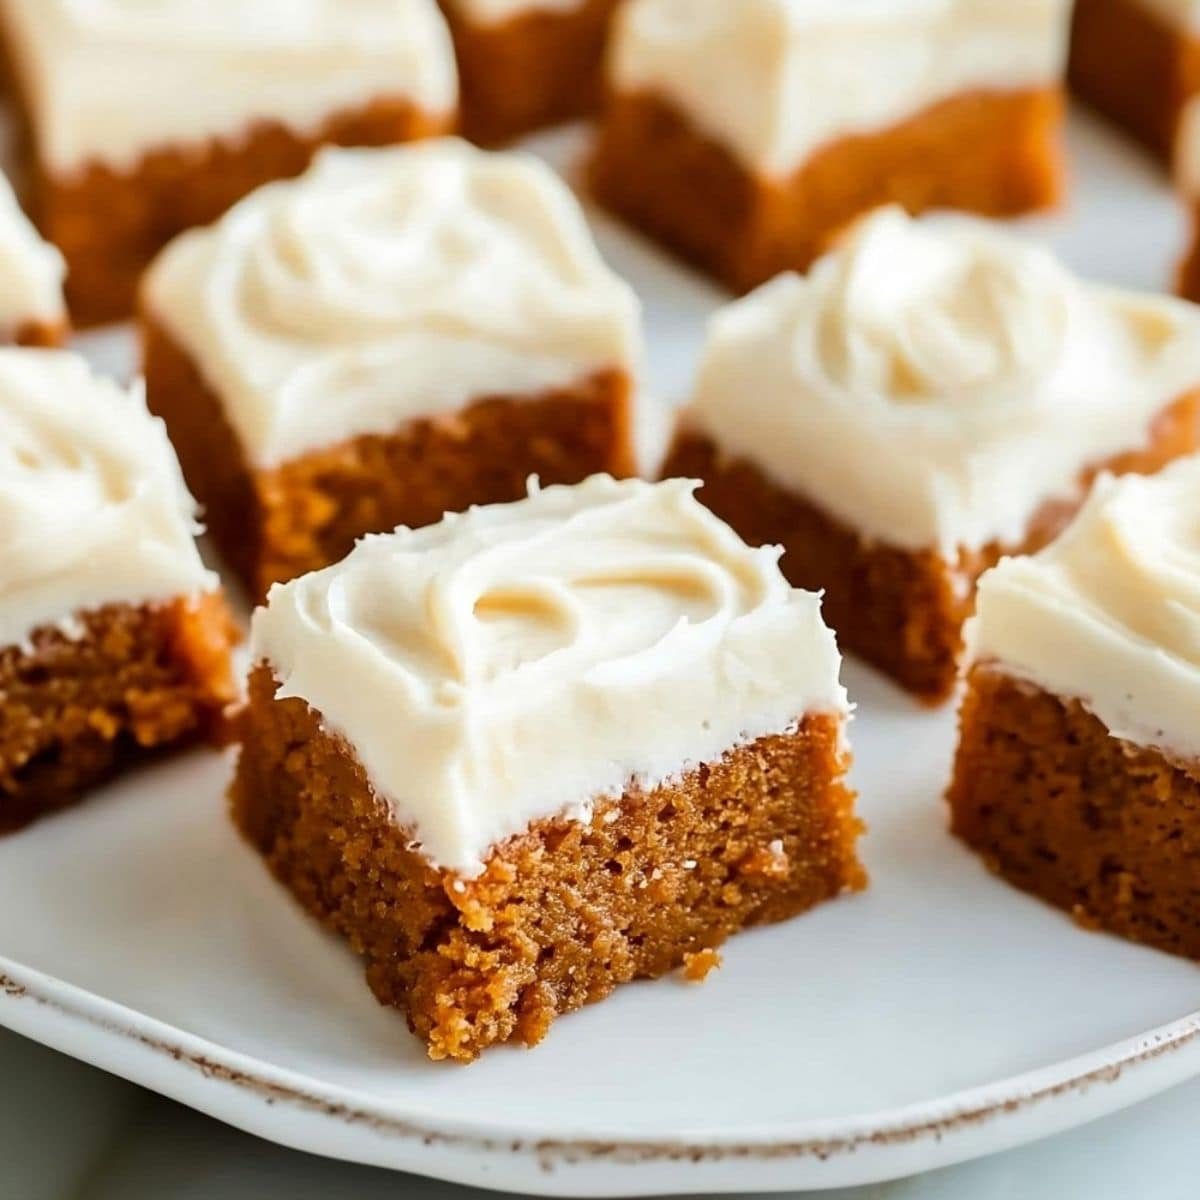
(196,1057)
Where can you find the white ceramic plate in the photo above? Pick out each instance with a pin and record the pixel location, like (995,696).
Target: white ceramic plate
(937,1017)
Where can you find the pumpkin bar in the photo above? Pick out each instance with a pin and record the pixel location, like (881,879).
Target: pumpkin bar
(114,639)
(145,119)
(397,334)
(1078,769)
(936,394)
(541,749)
(742,136)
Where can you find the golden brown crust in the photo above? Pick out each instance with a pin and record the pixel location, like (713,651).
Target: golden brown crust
(1059,807)
(77,710)
(994,153)
(110,223)
(275,524)
(563,913)
(537,69)
(900,610)
(1134,68)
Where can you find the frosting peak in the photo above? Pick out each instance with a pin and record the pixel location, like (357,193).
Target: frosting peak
(31,270)
(93,509)
(985,376)
(1109,614)
(515,662)
(404,282)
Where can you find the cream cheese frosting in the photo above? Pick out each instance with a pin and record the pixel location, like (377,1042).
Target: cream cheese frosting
(1109,614)
(386,285)
(933,382)
(516,662)
(31,270)
(776,80)
(109,80)
(93,508)
(496,12)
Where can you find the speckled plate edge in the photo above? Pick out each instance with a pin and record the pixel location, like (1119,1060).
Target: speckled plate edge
(305,1114)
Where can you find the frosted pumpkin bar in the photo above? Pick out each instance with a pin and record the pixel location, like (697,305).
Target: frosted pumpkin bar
(1078,768)
(114,639)
(744,135)
(935,394)
(541,749)
(397,334)
(145,119)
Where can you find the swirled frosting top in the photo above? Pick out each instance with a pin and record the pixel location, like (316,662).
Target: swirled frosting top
(31,270)
(1109,614)
(109,80)
(776,80)
(515,662)
(931,384)
(386,285)
(93,508)
(496,12)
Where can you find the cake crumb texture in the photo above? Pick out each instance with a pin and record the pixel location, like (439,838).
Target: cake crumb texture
(563,913)
(699,965)
(1097,826)
(78,709)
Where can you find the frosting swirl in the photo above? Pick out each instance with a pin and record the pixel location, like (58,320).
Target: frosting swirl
(1110,613)
(404,282)
(518,659)
(93,509)
(110,80)
(982,373)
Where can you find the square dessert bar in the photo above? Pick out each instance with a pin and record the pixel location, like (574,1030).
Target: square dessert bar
(146,119)
(114,639)
(525,64)
(934,395)
(743,135)
(32,309)
(544,748)
(397,334)
(1078,768)
(1137,62)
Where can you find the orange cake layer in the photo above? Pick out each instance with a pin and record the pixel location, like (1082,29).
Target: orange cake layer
(1105,829)
(564,913)
(537,69)
(109,223)
(899,610)
(76,710)
(274,524)
(1132,66)
(992,153)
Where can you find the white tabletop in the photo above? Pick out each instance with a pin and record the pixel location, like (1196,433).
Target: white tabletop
(68,1131)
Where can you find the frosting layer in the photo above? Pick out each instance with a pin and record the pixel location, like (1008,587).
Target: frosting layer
(932,383)
(109,80)
(1110,613)
(31,270)
(386,285)
(515,662)
(93,508)
(775,80)
(1184,14)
